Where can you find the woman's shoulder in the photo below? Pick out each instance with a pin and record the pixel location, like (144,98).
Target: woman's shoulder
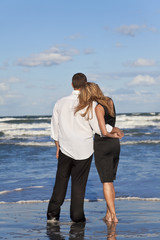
(100,110)
(110,102)
(99,105)
(109,99)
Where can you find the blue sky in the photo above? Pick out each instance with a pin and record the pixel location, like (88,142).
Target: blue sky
(44,42)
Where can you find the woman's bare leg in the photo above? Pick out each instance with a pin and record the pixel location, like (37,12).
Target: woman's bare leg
(109,194)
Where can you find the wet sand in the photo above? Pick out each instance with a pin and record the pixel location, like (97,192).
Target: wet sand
(137,220)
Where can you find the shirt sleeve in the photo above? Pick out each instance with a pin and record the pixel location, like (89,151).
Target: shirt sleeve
(94,122)
(54,124)
(109,128)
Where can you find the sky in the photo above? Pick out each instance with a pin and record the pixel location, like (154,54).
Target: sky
(43,43)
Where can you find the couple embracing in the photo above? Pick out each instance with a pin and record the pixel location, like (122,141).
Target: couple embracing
(82,124)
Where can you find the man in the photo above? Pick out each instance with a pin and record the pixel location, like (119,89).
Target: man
(73,136)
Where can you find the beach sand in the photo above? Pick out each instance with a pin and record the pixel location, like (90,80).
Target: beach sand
(137,220)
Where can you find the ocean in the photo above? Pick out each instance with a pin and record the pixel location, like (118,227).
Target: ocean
(28,163)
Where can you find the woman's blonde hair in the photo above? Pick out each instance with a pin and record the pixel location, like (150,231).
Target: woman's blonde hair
(89,93)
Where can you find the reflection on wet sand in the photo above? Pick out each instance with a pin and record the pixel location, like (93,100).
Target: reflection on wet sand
(76,231)
(111,230)
(53,231)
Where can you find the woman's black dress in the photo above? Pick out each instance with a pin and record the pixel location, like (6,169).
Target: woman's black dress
(106,152)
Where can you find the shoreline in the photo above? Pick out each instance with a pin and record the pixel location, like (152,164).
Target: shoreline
(137,220)
(85,200)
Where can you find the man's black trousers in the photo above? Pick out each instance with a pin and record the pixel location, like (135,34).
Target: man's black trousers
(78,170)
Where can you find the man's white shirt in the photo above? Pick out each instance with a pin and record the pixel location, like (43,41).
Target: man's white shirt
(73,132)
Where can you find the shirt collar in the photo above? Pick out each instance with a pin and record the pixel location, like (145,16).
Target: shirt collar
(75,92)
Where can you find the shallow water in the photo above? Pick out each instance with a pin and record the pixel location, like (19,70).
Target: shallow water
(28,163)
(137,220)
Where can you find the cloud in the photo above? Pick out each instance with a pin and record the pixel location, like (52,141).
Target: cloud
(93,77)
(52,56)
(75,36)
(26,69)
(132,95)
(49,87)
(106,28)
(124,91)
(12,95)
(7,95)
(143,80)
(14,80)
(88,51)
(4,87)
(142,62)
(137,97)
(2,101)
(131,30)
(4,65)
(119,45)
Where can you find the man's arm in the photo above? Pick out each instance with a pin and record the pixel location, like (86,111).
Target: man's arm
(57,146)
(54,129)
(54,124)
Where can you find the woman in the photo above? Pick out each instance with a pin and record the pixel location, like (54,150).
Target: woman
(106,146)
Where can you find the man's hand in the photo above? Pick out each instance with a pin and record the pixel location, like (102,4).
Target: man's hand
(117,131)
(57,146)
(57,153)
(115,135)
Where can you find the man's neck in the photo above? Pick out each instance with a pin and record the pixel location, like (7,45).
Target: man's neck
(76,89)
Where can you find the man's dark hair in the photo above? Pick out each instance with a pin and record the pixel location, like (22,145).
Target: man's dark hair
(79,80)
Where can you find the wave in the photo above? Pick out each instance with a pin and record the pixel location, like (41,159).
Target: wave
(140,114)
(30,144)
(140,142)
(125,120)
(38,144)
(39,126)
(31,133)
(125,124)
(24,119)
(139,199)
(18,189)
(86,200)
(52,144)
(139,133)
(21,126)
(2,134)
(24,130)
(138,120)
(25,202)
(25,133)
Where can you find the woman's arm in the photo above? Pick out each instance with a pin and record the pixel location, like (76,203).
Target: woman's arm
(94,122)
(101,121)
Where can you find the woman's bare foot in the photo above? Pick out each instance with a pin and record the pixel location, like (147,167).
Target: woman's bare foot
(114,218)
(108,217)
